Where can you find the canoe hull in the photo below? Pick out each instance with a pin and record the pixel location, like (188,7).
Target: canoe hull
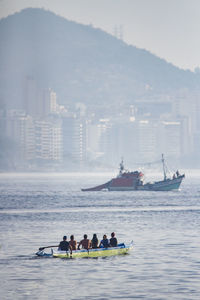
(100,252)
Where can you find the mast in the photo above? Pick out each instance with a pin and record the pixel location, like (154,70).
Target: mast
(121,167)
(164,168)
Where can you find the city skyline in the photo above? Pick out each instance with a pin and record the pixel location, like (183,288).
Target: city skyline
(46,135)
(86,101)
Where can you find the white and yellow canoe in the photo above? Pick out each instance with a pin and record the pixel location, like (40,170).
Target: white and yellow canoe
(99,252)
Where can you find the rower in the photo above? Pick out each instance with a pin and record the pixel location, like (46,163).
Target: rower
(113,240)
(64,244)
(72,242)
(104,243)
(94,241)
(85,243)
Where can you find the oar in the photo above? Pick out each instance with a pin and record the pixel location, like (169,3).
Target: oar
(42,248)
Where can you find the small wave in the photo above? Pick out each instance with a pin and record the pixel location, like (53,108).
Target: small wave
(100,209)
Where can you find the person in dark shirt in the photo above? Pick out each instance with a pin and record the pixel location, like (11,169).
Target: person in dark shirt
(113,240)
(64,245)
(104,243)
(94,241)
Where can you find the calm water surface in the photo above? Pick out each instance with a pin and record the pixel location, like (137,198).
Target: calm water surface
(37,210)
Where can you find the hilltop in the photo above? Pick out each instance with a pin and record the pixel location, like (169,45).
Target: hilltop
(81,63)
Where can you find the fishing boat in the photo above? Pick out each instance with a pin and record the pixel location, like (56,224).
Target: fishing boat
(99,252)
(133,181)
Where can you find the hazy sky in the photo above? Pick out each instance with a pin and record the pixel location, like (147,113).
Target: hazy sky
(167,28)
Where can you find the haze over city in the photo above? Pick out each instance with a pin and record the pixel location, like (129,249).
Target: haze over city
(84,83)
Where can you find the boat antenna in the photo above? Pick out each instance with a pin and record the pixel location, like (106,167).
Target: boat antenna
(164,167)
(121,166)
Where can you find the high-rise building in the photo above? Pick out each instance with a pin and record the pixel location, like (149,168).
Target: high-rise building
(125,141)
(31,101)
(27,138)
(170,138)
(53,102)
(48,136)
(38,103)
(74,140)
(45,103)
(100,141)
(19,129)
(147,140)
(104,133)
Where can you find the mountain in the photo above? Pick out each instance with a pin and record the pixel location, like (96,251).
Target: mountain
(79,62)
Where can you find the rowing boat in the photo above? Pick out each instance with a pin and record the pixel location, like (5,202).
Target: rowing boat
(99,252)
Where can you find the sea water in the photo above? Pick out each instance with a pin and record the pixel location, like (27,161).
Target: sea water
(36,210)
